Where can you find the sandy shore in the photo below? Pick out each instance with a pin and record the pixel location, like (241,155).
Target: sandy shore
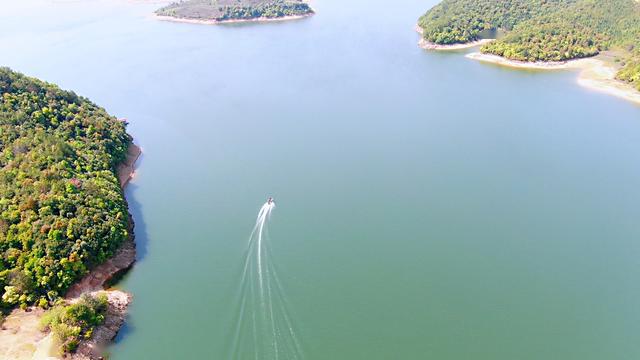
(427,45)
(232,21)
(20,336)
(543,65)
(594,73)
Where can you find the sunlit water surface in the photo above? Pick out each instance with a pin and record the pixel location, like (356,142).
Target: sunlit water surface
(429,206)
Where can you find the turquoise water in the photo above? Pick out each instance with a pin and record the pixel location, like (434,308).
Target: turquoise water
(428,206)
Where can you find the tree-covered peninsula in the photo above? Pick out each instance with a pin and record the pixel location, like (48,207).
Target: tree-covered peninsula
(62,211)
(542,30)
(234,10)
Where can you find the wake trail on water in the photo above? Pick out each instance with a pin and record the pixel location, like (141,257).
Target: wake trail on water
(264,327)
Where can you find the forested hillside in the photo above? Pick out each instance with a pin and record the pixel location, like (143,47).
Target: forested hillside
(583,29)
(61,207)
(542,30)
(223,10)
(461,21)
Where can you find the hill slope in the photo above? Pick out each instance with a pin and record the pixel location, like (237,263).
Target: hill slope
(62,210)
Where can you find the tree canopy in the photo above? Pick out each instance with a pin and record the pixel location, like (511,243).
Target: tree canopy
(62,210)
(461,21)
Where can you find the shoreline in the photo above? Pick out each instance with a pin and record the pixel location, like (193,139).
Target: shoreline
(539,65)
(127,170)
(595,74)
(20,335)
(427,45)
(433,46)
(100,277)
(103,335)
(230,21)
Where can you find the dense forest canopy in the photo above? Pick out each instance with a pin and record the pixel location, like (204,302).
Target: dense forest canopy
(542,30)
(221,10)
(461,21)
(61,207)
(583,29)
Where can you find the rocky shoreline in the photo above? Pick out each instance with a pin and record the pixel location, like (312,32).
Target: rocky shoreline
(104,334)
(101,277)
(125,256)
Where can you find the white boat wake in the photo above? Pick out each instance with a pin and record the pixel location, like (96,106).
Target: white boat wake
(264,327)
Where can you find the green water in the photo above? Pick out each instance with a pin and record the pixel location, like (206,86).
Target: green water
(429,206)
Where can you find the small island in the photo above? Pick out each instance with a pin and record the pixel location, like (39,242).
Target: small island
(225,11)
(545,34)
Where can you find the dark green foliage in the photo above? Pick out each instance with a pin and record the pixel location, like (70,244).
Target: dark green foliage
(221,10)
(542,30)
(75,322)
(583,29)
(545,42)
(61,207)
(461,21)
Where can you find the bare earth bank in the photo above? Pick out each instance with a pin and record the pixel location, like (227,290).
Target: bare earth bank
(20,337)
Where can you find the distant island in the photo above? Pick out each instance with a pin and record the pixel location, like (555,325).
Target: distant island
(540,32)
(221,11)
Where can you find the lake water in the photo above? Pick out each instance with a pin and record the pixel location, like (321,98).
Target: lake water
(428,206)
